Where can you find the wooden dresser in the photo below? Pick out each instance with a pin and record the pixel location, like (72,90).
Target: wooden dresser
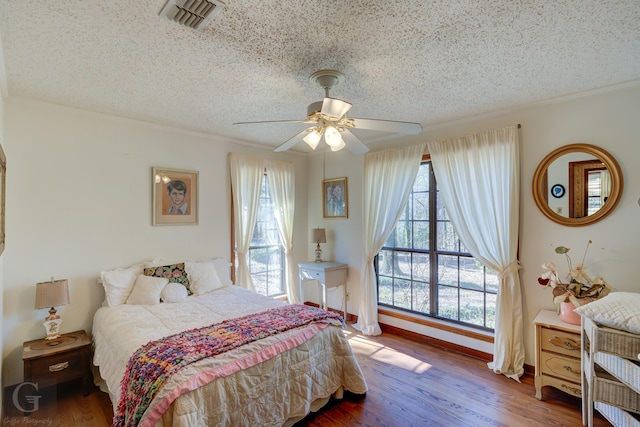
(557,354)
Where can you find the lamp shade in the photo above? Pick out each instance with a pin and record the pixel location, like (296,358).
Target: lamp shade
(319,235)
(52,294)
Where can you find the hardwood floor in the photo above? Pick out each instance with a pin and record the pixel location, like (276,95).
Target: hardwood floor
(410,384)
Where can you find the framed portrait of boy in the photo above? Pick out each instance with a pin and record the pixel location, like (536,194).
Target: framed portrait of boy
(335,200)
(175,196)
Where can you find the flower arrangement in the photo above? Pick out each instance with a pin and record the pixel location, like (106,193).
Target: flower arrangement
(578,288)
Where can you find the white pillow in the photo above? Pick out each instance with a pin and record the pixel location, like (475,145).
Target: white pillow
(619,310)
(203,277)
(223,269)
(173,292)
(147,290)
(118,284)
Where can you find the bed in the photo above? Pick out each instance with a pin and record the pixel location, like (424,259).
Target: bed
(271,381)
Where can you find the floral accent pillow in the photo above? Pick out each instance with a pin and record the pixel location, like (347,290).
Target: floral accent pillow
(175,273)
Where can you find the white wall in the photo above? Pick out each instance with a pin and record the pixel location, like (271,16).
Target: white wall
(79,202)
(608,120)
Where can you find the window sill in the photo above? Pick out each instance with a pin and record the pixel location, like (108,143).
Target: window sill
(437,324)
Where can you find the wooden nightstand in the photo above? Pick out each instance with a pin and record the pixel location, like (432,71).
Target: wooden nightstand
(557,354)
(56,361)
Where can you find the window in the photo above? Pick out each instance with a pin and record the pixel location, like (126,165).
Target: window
(424,268)
(596,195)
(266,254)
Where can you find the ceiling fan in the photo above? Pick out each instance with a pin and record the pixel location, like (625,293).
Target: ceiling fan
(328,118)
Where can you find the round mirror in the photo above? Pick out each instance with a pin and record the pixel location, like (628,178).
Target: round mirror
(577,184)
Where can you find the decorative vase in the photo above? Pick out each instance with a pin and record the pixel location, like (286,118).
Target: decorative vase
(568,315)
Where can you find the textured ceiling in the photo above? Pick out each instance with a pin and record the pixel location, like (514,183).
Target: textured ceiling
(410,60)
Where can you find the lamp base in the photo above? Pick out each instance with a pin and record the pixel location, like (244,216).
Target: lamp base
(52,328)
(318,253)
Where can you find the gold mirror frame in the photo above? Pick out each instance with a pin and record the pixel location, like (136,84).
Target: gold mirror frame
(615,172)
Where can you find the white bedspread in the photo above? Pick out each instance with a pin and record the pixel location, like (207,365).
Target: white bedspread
(275,392)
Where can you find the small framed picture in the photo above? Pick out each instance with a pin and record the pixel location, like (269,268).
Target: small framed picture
(557,191)
(175,196)
(335,198)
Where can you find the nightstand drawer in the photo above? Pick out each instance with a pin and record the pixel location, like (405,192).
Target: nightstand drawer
(313,275)
(60,367)
(560,342)
(563,367)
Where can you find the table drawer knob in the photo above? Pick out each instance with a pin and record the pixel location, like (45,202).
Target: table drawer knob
(58,367)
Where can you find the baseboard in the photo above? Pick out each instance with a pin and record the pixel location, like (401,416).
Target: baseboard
(477,354)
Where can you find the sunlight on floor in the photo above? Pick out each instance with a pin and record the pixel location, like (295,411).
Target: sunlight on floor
(362,345)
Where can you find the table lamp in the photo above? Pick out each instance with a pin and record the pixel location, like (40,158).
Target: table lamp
(319,236)
(50,295)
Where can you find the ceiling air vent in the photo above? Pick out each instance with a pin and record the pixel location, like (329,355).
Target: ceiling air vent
(191,13)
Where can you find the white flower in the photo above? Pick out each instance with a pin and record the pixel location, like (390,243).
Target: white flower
(578,288)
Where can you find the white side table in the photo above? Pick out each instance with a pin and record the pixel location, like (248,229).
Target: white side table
(330,275)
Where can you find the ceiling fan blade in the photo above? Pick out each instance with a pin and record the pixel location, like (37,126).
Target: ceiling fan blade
(353,143)
(271,121)
(335,108)
(292,141)
(388,126)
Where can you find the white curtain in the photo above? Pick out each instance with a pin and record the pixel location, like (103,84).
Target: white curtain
(246,180)
(388,179)
(281,177)
(479,181)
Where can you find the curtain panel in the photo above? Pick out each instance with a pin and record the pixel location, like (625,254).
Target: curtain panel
(246,180)
(478,178)
(388,179)
(281,177)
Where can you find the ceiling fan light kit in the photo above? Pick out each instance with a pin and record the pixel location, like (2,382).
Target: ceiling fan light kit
(313,138)
(332,136)
(339,146)
(329,119)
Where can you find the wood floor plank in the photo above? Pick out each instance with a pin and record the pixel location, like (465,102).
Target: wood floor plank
(411,383)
